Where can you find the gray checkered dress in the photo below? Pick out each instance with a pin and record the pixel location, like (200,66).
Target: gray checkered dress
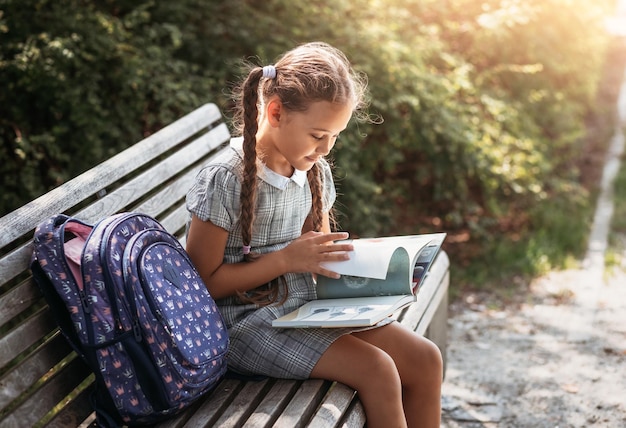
(256,348)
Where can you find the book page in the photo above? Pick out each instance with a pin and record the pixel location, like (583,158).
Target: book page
(397,281)
(352,312)
(371,256)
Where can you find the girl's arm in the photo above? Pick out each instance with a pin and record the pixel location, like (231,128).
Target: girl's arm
(206,243)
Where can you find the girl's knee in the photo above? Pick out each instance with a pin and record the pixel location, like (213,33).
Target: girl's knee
(382,371)
(425,360)
(432,354)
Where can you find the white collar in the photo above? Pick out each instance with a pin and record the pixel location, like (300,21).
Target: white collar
(266,174)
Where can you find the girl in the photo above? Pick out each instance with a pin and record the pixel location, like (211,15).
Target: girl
(260,228)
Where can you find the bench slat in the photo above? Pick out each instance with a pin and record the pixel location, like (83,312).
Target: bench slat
(154,178)
(12,264)
(303,405)
(17,300)
(25,335)
(39,403)
(243,404)
(211,408)
(30,370)
(24,219)
(333,407)
(176,221)
(273,404)
(355,417)
(172,197)
(75,412)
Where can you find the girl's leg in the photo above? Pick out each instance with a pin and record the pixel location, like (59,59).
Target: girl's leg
(420,367)
(371,372)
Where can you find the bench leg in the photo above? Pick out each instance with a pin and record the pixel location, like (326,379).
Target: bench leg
(437,330)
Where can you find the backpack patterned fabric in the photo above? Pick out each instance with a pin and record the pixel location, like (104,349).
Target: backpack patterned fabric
(133,306)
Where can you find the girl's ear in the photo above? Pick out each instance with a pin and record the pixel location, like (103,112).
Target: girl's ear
(274,112)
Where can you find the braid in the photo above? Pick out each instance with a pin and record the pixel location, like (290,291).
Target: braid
(270,292)
(317,205)
(250,126)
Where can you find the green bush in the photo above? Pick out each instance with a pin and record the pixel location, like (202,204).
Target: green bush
(484,102)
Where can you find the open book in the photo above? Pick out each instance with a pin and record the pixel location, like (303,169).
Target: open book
(382,276)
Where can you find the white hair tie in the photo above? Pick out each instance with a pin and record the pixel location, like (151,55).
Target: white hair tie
(269,72)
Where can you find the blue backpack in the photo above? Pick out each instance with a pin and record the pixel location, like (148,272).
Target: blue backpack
(132,305)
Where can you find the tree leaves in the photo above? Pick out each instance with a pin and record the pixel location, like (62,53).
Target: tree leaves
(483,102)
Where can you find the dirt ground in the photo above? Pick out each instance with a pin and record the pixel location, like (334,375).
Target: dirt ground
(554,357)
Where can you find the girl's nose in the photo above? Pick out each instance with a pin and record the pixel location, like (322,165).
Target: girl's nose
(325,146)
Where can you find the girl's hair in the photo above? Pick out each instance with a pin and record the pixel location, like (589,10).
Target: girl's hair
(309,73)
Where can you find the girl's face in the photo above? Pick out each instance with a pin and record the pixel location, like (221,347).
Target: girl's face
(298,139)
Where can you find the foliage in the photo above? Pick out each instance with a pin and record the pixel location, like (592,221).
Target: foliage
(484,102)
(83,80)
(616,252)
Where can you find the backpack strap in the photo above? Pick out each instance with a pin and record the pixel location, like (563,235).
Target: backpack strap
(57,308)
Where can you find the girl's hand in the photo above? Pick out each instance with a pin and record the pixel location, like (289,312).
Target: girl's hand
(306,253)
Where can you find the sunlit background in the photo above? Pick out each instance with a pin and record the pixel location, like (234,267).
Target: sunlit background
(494,111)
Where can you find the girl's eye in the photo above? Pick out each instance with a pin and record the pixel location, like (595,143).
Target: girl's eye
(317,137)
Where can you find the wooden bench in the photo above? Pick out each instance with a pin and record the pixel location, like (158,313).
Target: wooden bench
(43,383)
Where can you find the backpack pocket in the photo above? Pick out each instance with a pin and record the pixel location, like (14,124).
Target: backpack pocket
(175,313)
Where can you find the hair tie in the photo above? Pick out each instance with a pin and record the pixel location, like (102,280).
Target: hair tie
(245,249)
(269,72)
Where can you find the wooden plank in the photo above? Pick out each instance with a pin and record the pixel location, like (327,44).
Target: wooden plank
(210,409)
(75,412)
(154,177)
(39,404)
(334,406)
(17,261)
(243,404)
(21,377)
(18,299)
(424,314)
(25,335)
(176,221)
(89,422)
(437,330)
(303,405)
(178,421)
(274,402)
(173,196)
(24,219)
(355,417)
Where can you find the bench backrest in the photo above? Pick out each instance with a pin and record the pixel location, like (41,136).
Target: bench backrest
(42,381)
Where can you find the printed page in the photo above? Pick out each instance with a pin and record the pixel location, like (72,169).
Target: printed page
(352,312)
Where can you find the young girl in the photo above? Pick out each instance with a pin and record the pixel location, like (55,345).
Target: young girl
(260,228)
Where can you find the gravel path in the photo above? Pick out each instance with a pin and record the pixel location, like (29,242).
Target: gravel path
(540,363)
(555,356)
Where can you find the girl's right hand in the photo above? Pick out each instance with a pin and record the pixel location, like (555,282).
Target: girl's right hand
(306,253)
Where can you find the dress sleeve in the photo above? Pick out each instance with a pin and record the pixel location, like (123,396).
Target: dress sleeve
(214,196)
(328,186)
